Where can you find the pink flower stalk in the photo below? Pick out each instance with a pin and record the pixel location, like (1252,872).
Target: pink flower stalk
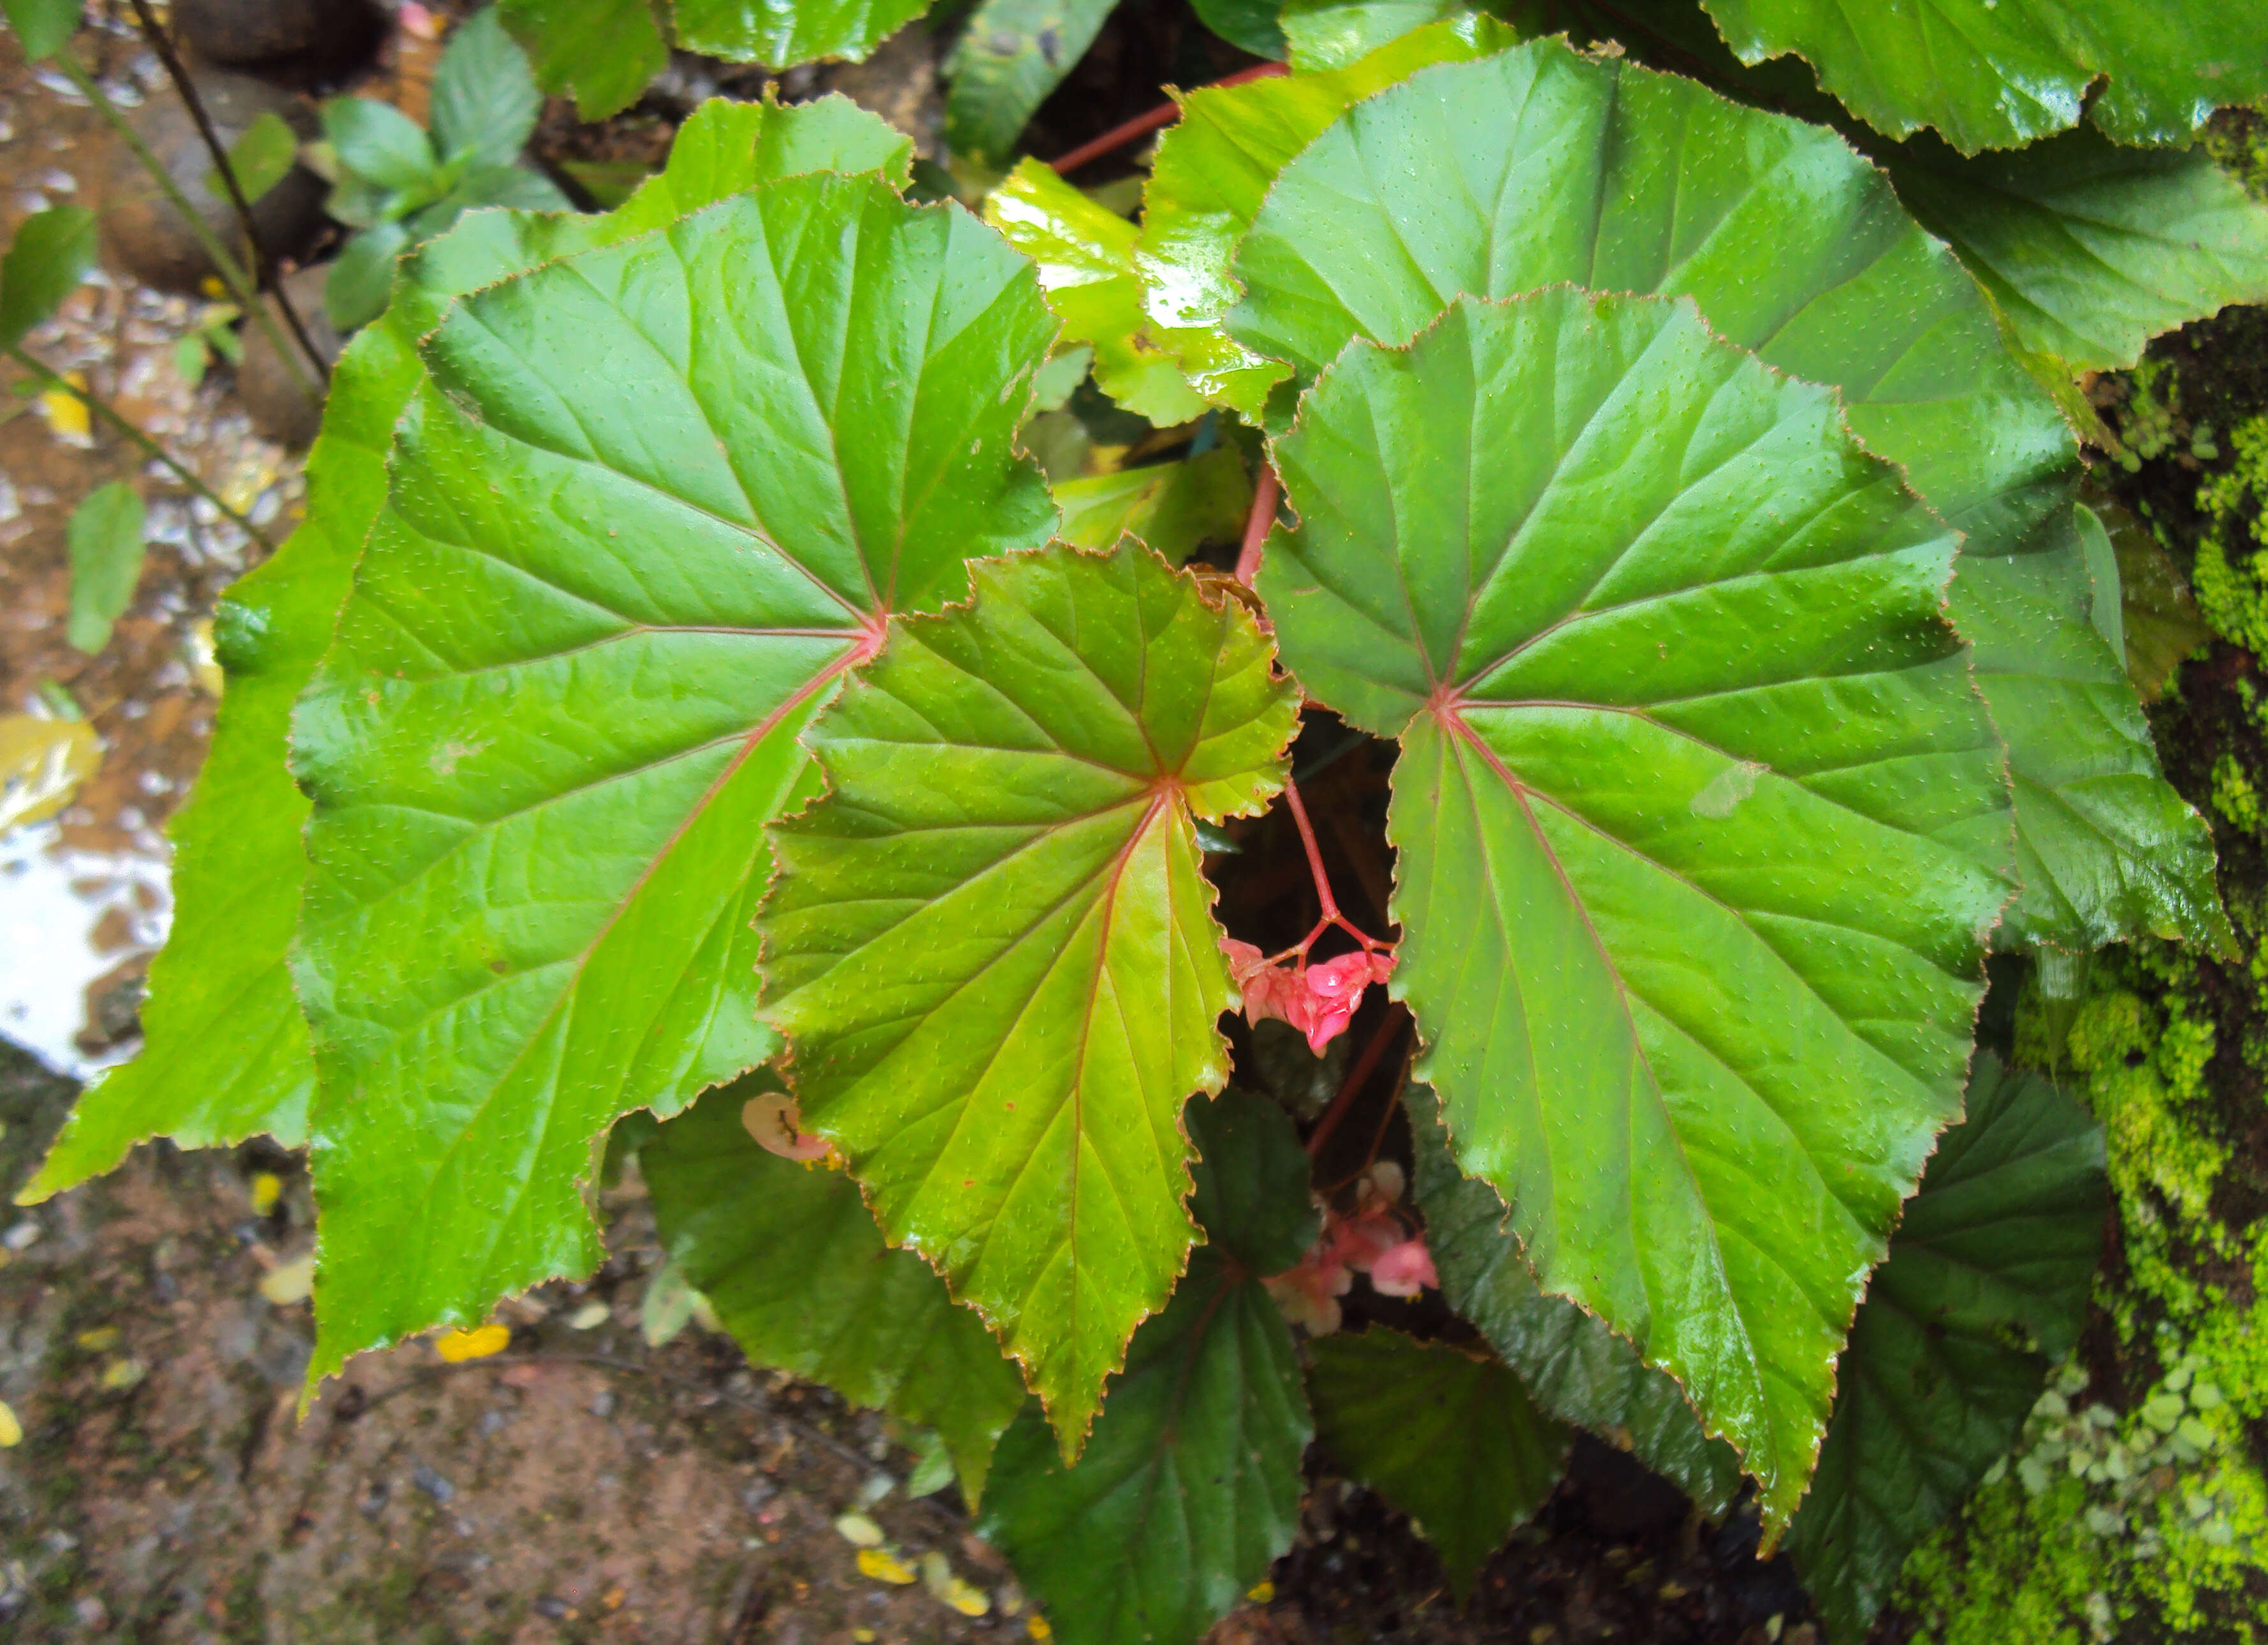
(774,1120)
(1319,1001)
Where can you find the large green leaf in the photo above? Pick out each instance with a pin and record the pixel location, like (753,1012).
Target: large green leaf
(780,33)
(1011,54)
(649,502)
(1212,169)
(1190,1485)
(1573,1363)
(1986,1289)
(1617,178)
(1084,253)
(1998,74)
(225,1054)
(53,252)
(1691,787)
(485,101)
(797,1271)
(1450,1440)
(605,52)
(992,949)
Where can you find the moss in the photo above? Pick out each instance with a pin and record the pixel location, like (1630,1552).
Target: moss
(2231,573)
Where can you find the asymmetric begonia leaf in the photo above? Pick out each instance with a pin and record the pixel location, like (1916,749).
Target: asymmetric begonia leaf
(1985,1291)
(1571,1363)
(1212,169)
(648,504)
(224,1053)
(991,945)
(780,33)
(1450,1440)
(1172,507)
(1084,253)
(1540,165)
(791,1259)
(1691,788)
(1190,1486)
(2089,247)
(1998,74)
(605,52)
(1011,54)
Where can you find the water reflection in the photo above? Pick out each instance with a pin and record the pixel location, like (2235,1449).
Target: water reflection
(75,924)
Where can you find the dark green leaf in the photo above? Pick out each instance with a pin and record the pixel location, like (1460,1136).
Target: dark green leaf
(609,182)
(1450,1440)
(2159,615)
(106,562)
(1985,1290)
(354,292)
(1011,54)
(52,253)
(1571,1362)
(485,101)
(1691,767)
(1994,76)
(791,1261)
(1172,507)
(268,149)
(42,26)
(781,34)
(380,145)
(1189,1486)
(605,52)
(1249,25)
(997,920)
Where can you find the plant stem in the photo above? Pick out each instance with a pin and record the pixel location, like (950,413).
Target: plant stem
(232,273)
(1257,524)
(263,268)
(118,420)
(1119,136)
(1364,1066)
(1314,855)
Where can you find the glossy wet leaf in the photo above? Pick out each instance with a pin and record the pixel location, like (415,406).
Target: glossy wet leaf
(605,52)
(647,503)
(1692,776)
(1011,54)
(105,538)
(1084,253)
(791,1259)
(1212,168)
(991,945)
(1985,1291)
(1572,1362)
(1998,74)
(1172,507)
(1335,33)
(781,34)
(1190,1486)
(2089,247)
(53,252)
(485,101)
(224,1050)
(1791,244)
(377,143)
(2158,617)
(1249,25)
(1450,1439)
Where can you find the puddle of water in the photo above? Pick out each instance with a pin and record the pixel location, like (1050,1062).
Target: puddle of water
(70,917)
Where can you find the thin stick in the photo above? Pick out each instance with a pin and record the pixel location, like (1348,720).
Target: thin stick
(232,272)
(118,420)
(1364,1066)
(1257,524)
(263,266)
(1119,136)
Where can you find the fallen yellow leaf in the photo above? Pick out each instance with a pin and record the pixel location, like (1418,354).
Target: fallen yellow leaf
(12,1432)
(98,1341)
(860,1531)
(42,762)
(267,1189)
(970,1602)
(66,412)
(1261,1593)
(290,1282)
(457,1346)
(864,1636)
(1036,1626)
(884,1567)
(120,1375)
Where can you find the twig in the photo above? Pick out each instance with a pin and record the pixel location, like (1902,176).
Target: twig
(118,420)
(1257,524)
(263,266)
(1364,1066)
(1119,136)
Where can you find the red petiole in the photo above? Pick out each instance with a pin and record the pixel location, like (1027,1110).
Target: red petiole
(1119,136)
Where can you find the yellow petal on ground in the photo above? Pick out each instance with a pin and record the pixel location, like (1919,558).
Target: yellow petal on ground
(42,762)
(66,412)
(1261,1593)
(120,1375)
(1036,1626)
(863,1636)
(860,1531)
(12,1432)
(970,1602)
(267,1189)
(590,1317)
(101,1339)
(290,1282)
(457,1346)
(884,1567)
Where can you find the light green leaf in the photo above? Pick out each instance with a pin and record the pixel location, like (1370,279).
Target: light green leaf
(1011,54)
(225,1054)
(797,1271)
(1998,74)
(485,101)
(514,186)
(618,571)
(605,52)
(1084,253)
(781,34)
(1573,1363)
(267,150)
(1986,1289)
(996,924)
(379,143)
(1615,177)
(48,259)
(106,543)
(1452,1441)
(1691,777)
(1338,33)
(1190,1485)
(1212,171)
(42,26)
(1172,507)
(354,292)
(2092,249)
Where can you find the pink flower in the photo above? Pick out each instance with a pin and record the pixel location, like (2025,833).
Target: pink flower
(1319,1001)
(1309,1294)
(1404,1270)
(776,1124)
